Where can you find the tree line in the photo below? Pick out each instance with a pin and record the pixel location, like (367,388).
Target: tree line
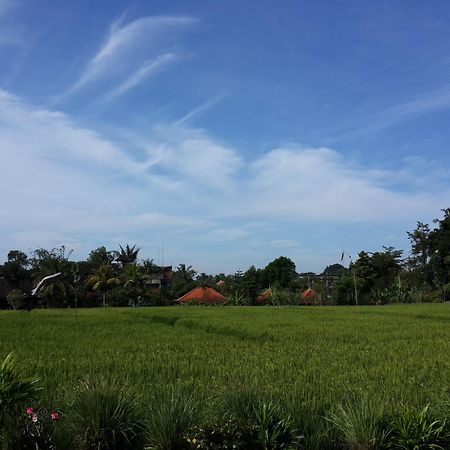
(119,278)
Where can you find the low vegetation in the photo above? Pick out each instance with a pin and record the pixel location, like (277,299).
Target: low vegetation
(210,378)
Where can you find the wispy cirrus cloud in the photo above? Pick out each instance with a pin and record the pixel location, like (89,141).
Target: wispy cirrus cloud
(434,100)
(200,109)
(129,42)
(148,69)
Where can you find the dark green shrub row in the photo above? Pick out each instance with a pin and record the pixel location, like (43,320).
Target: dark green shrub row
(103,414)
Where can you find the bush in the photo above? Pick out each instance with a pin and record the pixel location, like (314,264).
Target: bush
(18,300)
(174,413)
(15,392)
(418,429)
(104,416)
(32,429)
(249,421)
(360,424)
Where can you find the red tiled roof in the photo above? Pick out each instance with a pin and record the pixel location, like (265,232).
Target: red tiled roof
(202,295)
(309,293)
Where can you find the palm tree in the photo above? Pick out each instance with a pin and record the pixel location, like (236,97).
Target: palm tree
(135,282)
(187,273)
(128,254)
(57,291)
(103,280)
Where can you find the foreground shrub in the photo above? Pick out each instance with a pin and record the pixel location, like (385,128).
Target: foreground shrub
(15,392)
(274,430)
(32,429)
(104,416)
(18,300)
(308,412)
(416,429)
(249,421)
(173,415)
(359,424)
(15,389)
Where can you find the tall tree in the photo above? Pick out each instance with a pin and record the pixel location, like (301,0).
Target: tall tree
(418,262)
(57,291)
(440,254)
(103,280)
(101,255)
(128,255)
(280,271)
(16,268)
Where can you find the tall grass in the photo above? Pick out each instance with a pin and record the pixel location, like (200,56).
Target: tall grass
(305,360)
(172,414)
(359,423)
(104,416)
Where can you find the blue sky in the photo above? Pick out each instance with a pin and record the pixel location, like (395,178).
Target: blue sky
(228,133)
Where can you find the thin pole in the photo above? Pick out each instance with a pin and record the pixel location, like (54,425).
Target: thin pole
(354,281)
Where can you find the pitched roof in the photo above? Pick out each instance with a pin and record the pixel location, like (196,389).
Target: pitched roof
(308,293)
(202,294)
(265,295)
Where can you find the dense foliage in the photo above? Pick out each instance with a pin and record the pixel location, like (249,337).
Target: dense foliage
(119,278)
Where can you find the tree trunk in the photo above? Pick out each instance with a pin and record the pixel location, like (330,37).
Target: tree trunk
(104,299)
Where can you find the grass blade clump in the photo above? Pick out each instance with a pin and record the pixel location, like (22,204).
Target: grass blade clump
(256,422)
(174,412)
(104,416)
(15,392)
(359,424)
(418,429)
(274,429)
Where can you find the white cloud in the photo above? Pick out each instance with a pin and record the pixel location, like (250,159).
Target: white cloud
(147,69)
(200,109)
(433,100)
(125,45)
(319,184)
(67,184)
(195,156)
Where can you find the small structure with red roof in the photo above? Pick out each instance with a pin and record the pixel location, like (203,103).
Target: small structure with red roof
(264,297)
(308,297)
(203,295)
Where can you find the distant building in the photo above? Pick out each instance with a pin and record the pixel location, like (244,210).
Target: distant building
(161,280)
(202,294)
(264,297)
(309,297)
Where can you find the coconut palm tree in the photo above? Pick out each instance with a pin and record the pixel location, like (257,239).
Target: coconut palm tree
(103,280)
(128,255)
(135,282)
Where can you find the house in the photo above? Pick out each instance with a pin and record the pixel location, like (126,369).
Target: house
(161,280)
(203,295)
(309,297)
(264,297)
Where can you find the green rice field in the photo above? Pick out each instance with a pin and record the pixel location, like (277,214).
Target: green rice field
(400,352)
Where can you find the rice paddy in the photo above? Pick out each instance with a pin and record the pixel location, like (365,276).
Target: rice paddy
(399,353)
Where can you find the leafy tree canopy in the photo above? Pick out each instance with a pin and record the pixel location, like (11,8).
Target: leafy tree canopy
(280,271)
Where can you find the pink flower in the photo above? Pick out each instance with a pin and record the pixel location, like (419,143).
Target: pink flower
(30,410)
(34,417)
(54,415)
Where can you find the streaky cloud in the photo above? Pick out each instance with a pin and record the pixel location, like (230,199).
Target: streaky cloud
(123,40)
(433,100)
(146,70)
(200,109)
